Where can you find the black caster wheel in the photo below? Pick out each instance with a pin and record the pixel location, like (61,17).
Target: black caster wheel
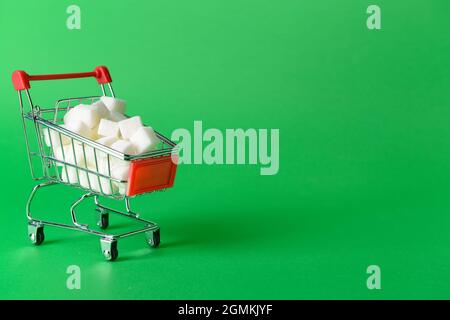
(114,253)
(109,249)
(36,234)
(103,221)
(153,238)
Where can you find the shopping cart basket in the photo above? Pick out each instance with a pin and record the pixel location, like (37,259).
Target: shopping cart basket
(53,164)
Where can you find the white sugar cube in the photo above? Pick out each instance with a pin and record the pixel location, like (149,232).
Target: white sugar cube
(102,110)
(123,146)
(129,126)
(88,153)
(108,128)
(85,113)
(116,170)
(107,141)
(94,133)
(66,154)
(80,128)
(54,138)
(59,155)
(93,182)
(70,115)
(114,104)
(90,116)
(69,174)
(120,172)
(120,187)
(103,167)
(107,186)
(116,116)
(144,140)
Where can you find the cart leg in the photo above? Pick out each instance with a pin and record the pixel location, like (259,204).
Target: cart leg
(31,197)
(103,217)
(109,248)
(128,208)
(72,210)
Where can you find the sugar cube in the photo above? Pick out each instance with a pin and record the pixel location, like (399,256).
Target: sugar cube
(108,128)
(92,181)
(95,182)
(123,146)
(55,138)
(85,113)
(102,110)
(107,141)
(120,171)
(66,154)
(144,140)
(114,104)
(69,174)
(120,187)
(88,153)
(70,115)
(116,116)
(94,133)
(129,126)
(80,128)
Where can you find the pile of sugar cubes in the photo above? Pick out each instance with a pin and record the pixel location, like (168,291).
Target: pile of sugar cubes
(104,122)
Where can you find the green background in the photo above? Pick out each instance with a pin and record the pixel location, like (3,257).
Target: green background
(364,147)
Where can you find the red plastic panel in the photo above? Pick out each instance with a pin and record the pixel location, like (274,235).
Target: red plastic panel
(151,174)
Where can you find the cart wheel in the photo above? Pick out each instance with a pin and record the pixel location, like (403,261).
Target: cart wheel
(153,238)
(36,234)
(103,222)
(109,249)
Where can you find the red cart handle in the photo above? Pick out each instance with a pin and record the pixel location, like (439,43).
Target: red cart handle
(21,79)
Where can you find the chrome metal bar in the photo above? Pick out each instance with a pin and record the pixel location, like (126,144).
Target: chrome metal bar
(81,139)
(129,214)
(95,232)
(33,110)
(32,194)
(150,226)
(111,90)
(72,210)
(131,233)
(77,98)
(27,143)
(86,167)
(107,150)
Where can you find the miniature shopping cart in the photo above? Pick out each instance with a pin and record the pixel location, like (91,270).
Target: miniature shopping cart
(51,164)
